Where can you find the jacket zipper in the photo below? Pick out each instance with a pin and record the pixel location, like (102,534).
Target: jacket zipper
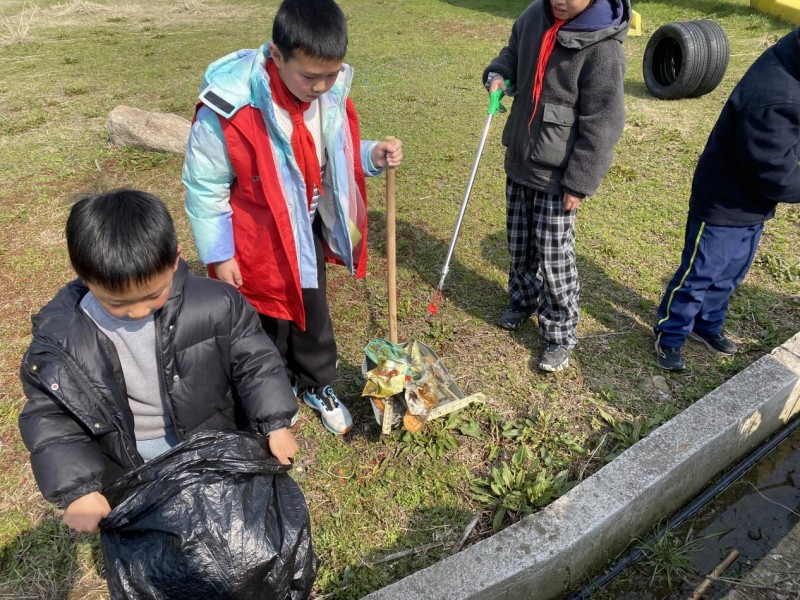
(162,384)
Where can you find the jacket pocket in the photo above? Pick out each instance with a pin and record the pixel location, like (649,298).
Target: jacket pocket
(556,137)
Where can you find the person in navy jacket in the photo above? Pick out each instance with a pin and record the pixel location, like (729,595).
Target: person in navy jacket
(751,163)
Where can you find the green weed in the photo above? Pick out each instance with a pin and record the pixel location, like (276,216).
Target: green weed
(624,434)
(435,439)
(518,487)
(779,268)
(549,434)
(668,558)
(76,90)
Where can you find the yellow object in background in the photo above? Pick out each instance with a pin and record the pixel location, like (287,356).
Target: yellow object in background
(788,10)
(635,27)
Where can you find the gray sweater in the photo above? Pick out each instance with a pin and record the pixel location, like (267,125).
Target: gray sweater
(581,110)
(135,343)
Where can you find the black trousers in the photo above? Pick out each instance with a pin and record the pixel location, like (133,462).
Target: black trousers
(310,355)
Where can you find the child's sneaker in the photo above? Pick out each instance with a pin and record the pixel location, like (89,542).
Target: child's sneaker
(513,317)
(668,358)
(554,358)
(335,416)
(715,343)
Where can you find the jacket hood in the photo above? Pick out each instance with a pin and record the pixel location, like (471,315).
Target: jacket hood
(603,19)
(55,320)
(788,51)
(240,78)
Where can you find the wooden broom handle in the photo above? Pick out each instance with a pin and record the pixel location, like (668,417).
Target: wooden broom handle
(391,252)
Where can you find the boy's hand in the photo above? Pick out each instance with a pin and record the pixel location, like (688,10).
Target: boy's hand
(388,153)
(497,83)
(228,271)
(571,202)
(282,445)
(84,514)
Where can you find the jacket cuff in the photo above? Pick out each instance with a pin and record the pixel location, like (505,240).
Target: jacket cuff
(267,428)
(64,501)
(580,195)
(370,170)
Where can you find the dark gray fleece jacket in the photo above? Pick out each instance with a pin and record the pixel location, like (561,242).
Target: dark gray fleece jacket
(581,110)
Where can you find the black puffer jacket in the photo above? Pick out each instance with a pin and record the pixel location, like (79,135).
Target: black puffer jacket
(218,367)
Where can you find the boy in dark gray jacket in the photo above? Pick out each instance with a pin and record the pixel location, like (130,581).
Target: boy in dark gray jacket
(137,355)
(565,59)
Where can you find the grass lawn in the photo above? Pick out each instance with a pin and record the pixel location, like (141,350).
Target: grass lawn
(65,66)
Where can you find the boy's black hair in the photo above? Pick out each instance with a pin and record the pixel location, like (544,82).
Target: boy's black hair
(120,239)
(316,28)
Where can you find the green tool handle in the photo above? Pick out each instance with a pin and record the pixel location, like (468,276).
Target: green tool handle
(495,105)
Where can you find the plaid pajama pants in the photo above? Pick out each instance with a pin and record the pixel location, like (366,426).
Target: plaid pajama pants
(543,275)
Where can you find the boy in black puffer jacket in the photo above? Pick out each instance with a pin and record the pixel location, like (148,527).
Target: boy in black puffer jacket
(138,354)
(565,59)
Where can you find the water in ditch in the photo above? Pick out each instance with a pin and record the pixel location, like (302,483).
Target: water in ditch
(751,516)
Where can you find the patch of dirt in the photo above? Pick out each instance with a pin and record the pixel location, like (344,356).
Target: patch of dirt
(461,30)
(160,12)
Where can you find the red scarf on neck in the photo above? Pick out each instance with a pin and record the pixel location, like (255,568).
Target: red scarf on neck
(305,151)
(545,50)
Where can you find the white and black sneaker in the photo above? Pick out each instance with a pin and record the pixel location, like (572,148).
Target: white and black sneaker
(335,416)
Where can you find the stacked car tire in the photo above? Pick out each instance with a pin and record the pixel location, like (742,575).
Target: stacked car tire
(685,59)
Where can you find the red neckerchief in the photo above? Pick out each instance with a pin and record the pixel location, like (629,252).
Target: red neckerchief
(305,151)
(545,50)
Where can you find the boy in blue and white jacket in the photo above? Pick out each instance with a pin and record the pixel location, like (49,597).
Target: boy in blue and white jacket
(274,179)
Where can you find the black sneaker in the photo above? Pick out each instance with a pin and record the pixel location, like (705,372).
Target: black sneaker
(554,358)
(513,318)
(668,358)
(715,343)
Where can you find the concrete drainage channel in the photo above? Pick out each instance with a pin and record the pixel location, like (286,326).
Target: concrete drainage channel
(560,548)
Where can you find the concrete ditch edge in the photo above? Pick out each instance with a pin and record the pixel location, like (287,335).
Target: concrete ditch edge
(557,549)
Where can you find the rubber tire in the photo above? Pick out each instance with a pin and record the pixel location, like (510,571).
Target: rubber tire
(719,53)
(675,60)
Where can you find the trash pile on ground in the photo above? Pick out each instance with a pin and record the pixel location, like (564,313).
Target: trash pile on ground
(412,378)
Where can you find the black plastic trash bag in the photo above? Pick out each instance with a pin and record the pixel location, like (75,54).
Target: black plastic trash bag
(216,517)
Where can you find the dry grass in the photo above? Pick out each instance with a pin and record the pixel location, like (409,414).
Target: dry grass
(16,29)
(78,7)
(191,7)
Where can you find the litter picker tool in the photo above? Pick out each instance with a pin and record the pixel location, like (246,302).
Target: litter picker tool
(495,106)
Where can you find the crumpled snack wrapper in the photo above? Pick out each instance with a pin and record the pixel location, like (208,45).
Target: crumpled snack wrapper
(386,379)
